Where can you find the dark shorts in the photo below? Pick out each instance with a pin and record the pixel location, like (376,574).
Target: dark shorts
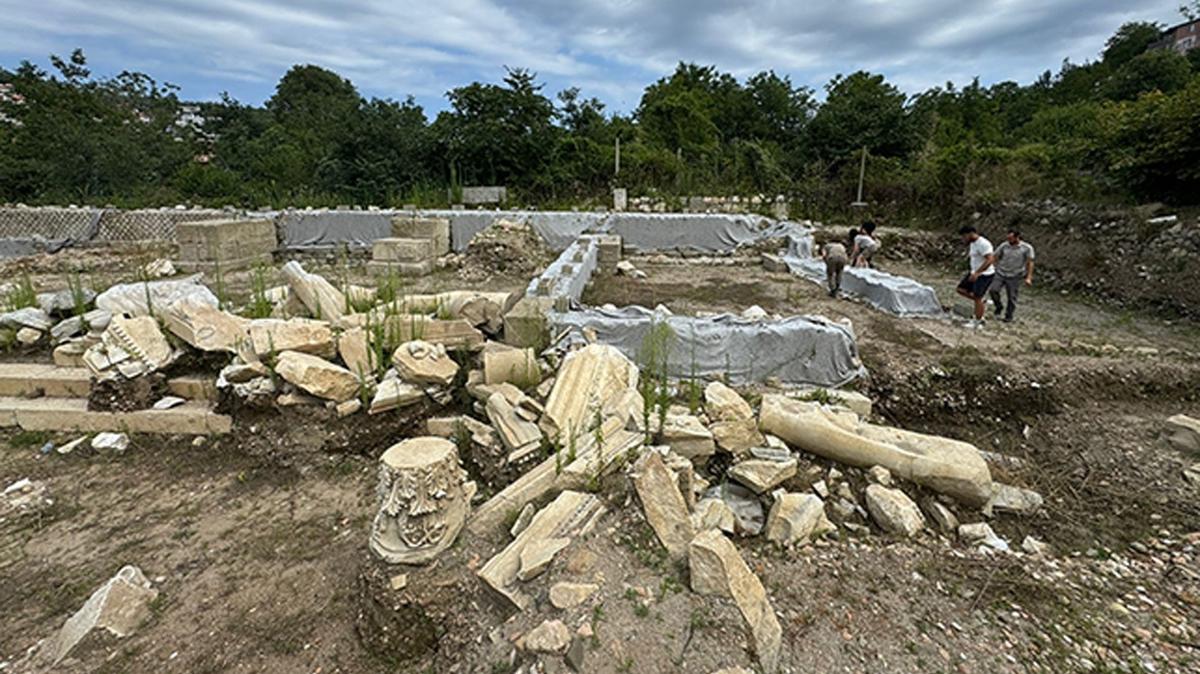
(979,288)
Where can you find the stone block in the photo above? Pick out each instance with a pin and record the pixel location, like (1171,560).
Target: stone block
(207,245)
(378,268)
(437,230)
(402,250)
(526,325)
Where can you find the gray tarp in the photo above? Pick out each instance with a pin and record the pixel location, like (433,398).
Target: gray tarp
(685,232)
(640,232)
(887,292)
(796,350)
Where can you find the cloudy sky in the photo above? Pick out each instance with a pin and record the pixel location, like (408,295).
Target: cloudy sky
(610,49)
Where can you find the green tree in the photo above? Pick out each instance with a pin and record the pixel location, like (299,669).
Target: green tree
(1162,70)
(861,110)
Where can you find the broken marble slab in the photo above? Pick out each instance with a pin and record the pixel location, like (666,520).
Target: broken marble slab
(119,606)
(319,296)
(795,519)
(305,335)
(392,394)
(663,504)
(204,326)
(421,362)
(317,376)
(520,437)
(948,466)
(129,347)
(718,569)
(566,517)
(1183,432)
(762,476)
(595,380)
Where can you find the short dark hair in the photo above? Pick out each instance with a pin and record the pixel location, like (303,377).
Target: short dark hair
(853,233)
(868,227)
(967,229)
(1015,232)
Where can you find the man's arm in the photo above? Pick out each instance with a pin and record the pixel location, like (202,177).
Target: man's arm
(1029,272)
(987,262)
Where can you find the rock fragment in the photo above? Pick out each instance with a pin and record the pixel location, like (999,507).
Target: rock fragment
(894,511)
(663,504)
(317,376)
(717,569)
(794,519)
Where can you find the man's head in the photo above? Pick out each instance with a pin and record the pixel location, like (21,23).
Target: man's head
(853,233)
(968,234)
(1014,236)
(868,227)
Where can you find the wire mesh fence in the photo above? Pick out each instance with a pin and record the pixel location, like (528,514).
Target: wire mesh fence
(99,225)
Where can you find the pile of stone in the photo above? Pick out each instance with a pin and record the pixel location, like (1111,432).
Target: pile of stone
(57,316)
(504,247)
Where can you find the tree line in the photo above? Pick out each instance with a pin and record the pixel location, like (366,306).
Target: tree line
(1123,127)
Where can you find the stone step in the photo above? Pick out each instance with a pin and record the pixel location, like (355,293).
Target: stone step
(25,380)
(72,414)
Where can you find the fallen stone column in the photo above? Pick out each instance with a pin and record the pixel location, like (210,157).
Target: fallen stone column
(948,466)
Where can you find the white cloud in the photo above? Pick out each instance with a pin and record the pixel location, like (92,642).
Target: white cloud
(611,49)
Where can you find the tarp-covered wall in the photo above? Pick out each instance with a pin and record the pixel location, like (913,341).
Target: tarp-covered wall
(796,350)
(897,295)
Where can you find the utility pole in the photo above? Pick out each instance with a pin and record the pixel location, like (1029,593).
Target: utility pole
(862,173)
(617,158)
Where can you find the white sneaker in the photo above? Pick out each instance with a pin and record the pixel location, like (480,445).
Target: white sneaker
(974,324)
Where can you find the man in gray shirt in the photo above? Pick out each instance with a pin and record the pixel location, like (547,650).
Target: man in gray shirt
(1014,266)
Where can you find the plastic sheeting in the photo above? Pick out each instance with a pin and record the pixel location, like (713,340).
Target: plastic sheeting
(699,233)
(887,292)
(796,350)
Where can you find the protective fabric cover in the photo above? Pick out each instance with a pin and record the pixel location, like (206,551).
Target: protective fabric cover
(685,232)
(797,350)
(570,272)
(328,229)
(700,233)
(894,294)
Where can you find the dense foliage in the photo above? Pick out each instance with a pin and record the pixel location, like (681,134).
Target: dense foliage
(1123,127)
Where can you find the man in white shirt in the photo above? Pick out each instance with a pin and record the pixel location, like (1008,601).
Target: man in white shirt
(974,286)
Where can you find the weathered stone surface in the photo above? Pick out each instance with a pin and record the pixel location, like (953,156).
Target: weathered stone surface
(717,569)
(942,517)
(526,325)
(664,505)
(319,296)
(880,475)
(424,363)
(591,380)
(551,636)
(436,230)
(852,400)
(713,513)
(240,373)
(120,606)
(564,517)
(796,518)
(223,244)
(569,595)
(980,533)
(518,367)
(519,436)
(62,302)
(948,466)
(272,335)
(724,404)
(424,498)
(319,377)
(737,436)
(28,336)
(894,511)
(1009,499)
(130,299)
(402,249)
(747,510)
(130,347)
(204,326)
(1184,433)
(536,557)
(687,436)
(28,317)
(393,393)
(356,353)
(762,476)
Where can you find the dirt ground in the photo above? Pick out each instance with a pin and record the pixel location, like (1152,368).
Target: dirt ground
(257,540)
